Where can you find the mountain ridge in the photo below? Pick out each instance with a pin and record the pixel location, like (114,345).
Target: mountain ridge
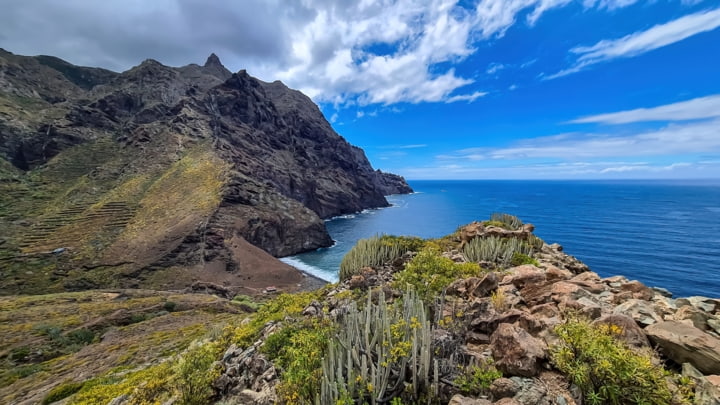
(159,168)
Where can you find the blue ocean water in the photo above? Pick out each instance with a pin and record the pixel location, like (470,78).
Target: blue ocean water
(663,233)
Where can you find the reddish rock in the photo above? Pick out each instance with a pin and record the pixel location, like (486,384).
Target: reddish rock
(553,273)
(587,276)
(639,290)
(516,352)
(357,281)
(684,343)
(566,290)
(537,294)
(526,274)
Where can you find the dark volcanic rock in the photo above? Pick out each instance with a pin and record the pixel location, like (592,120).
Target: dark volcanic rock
(283,168)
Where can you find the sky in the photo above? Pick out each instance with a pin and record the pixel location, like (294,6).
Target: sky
(442,89)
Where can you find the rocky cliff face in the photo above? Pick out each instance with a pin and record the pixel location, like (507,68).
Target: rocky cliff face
(160,167)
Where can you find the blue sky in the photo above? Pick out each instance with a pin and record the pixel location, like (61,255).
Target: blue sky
(444,89)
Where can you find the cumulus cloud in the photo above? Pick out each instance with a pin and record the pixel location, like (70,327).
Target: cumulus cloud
(350,53)
(697,108)
(643,41)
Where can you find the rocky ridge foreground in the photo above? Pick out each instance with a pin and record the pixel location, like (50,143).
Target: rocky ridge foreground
(159,176)
(507,320)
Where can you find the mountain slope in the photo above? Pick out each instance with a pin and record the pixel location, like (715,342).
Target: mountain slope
(161,173)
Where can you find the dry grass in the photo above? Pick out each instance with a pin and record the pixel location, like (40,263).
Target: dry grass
(162,334)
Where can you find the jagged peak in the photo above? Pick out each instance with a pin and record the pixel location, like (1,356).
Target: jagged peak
(213,60)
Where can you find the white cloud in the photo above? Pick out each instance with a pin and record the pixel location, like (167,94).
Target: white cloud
(674,139)
(563,170)
(354,53)
(466,97)
(697,108)
(643,41)
(609,4)
(494,68)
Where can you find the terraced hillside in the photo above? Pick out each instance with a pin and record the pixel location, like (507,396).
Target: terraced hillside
(160,176)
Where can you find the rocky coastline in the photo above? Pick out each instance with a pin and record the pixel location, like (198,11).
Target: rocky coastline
(509,318)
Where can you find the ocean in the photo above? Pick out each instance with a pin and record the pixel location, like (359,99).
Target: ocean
(663,233)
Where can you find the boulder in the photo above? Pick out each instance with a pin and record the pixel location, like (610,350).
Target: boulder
(685,343)
(504,388)
(474,286)
(690,313)
(532,392)
(638,290)
(554,273)
(526,274)
(516,352)
(630,332)
(703,303)
(643,312)
(564,290)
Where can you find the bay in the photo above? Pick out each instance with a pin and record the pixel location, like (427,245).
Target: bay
(663,233)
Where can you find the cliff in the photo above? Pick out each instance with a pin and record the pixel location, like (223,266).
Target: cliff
(159,174)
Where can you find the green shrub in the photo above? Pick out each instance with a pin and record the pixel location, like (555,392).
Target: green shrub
(429,273)
(519,259)
(149,385)
(476,379)
(298,351)
(376,251)
(169,306)
(284,305)
(62,391)
(246,302)
(194,373)
(605,369)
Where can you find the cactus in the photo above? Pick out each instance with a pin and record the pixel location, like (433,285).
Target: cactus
(511,222)
(376,251)
(495,249)
(379,353)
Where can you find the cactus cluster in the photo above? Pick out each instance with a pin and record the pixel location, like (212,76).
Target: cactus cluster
(495,249)
(381,352)
(376,251)
(511,222)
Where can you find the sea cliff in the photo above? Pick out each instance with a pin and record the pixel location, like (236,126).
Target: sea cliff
(158,176)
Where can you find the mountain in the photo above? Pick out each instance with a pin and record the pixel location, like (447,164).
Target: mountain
(160,176)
